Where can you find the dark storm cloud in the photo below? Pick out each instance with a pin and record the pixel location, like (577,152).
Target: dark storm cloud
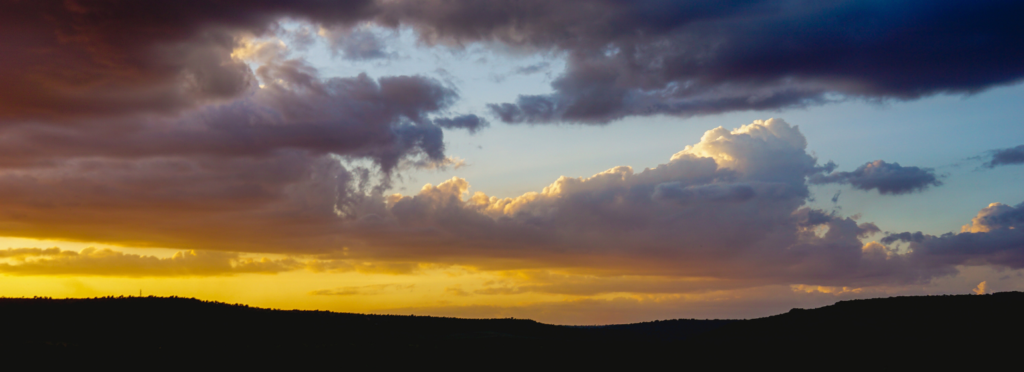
(887,178)
(105,57)
(688,58)
(1010,156)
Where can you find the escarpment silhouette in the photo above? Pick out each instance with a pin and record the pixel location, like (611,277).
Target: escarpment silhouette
(184,330)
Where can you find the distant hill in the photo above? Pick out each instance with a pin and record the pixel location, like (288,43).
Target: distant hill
(186,330)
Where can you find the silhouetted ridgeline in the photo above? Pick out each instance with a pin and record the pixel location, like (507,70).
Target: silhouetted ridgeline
(187,329)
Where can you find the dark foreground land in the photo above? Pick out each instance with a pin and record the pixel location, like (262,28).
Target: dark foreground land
(168,331)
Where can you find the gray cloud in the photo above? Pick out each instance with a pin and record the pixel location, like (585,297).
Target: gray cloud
(916,237)
(887,178)
(357,43)
(472,123)
(714,192)
(1010,156)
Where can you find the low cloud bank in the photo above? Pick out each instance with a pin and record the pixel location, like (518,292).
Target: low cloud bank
(729,211)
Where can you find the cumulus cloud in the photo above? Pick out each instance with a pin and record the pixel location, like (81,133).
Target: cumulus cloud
(107,262)
(994,237)
(1010,156)
(728,207)
(887,178)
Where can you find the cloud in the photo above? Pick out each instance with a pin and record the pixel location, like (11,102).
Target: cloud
(903,236)
(726,213)
(366,290)
(996,216)
(472,123)
(691,58)
(994,237)
(100,58)
(342,266)
(272,158)
(729,207)
(176,124)
(721,193)
(356,43)
(980,290)
(107,262)
(1010,156)
(381,119)
(729,210)
(74,59)
(182,106)
(456,291)
(887,178)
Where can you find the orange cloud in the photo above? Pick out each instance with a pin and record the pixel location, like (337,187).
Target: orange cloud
(980,289)
(107,262)
(365,290)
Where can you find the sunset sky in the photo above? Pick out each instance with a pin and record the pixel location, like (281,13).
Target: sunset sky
(573,162)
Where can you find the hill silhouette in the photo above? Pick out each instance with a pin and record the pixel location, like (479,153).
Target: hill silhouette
(182,330)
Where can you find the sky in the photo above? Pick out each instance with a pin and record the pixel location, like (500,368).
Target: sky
(573,162)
